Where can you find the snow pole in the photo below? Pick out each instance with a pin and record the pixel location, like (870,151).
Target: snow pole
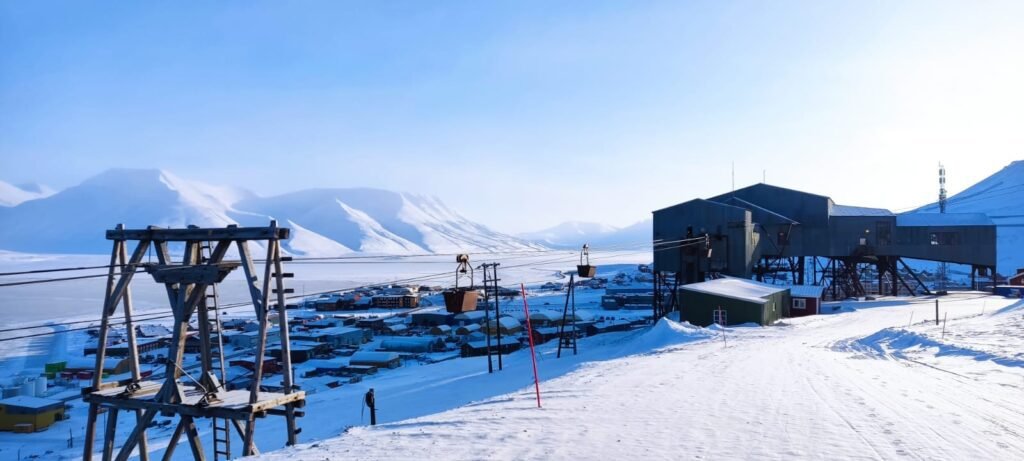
(944,324)
(533,353)
(936,312)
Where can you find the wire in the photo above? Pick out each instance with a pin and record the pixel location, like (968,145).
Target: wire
(429,277)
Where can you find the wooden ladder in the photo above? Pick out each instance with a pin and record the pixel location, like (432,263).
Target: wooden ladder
(221,426)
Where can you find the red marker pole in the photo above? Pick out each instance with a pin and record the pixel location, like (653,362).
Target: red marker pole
(533,353)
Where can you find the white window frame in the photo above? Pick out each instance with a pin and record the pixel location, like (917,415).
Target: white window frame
(799,303)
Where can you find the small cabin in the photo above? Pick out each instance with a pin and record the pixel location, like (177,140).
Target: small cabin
(375,359)
(29,414)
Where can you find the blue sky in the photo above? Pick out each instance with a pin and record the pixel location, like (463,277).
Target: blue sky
(519,114)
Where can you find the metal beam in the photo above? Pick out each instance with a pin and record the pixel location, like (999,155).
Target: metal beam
(194,234)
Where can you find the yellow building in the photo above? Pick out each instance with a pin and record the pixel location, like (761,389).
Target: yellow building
(29,414)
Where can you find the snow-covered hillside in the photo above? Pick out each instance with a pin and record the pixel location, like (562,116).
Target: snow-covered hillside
(574,234)
(999,197)
(845,386)
(325,222)
(12,195)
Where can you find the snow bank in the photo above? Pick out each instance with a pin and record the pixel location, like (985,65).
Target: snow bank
(665,334)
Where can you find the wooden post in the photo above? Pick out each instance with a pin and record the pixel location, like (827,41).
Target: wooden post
(286,355)
(133,349)
(175,438)
(936,312)
(101,340)
(109,434)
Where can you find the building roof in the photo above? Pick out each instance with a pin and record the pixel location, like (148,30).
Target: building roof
(741,289)
(373,356)
(805,291)
(943,219)
(329,332)
(506,322)
(744,203)
(24,401)
(470,316)
(847,210)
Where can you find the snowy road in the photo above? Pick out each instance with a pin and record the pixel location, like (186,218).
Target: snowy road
(791,392)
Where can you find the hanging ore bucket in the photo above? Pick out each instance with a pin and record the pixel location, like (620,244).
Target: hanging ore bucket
(461,299)
(584,269)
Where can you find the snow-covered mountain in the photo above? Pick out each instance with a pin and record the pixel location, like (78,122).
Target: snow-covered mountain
(325,222)
(574,234)
(12,195)
(999,197)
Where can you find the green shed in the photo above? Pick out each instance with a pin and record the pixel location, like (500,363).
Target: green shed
(744,301)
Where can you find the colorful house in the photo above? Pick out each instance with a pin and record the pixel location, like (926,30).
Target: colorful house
(29,414)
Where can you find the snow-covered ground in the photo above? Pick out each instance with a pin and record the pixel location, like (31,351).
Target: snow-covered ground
(824,387)
(876,380)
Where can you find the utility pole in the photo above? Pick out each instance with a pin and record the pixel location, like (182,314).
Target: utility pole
(491,275)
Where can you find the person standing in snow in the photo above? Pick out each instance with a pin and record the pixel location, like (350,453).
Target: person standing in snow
(372,404)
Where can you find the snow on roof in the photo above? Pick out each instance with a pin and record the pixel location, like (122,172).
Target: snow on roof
(805,291)
(25,401)
(943,219)
(329,331)
(847,210)
(471,315)
(373,356)
(742,289)
(506,321)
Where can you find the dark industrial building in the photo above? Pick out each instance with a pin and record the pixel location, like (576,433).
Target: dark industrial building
(776,234)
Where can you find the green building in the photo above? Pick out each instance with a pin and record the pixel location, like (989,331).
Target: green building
(741,300)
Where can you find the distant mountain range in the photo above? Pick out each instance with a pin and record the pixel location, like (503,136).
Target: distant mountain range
(1001,197)
(330,222)
(574,234)
(12,195)
(325,222)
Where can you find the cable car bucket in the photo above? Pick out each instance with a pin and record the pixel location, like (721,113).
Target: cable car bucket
(584,269)
(461,299)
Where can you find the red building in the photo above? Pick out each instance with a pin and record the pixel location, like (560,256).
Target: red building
(1016,280)
(806,300)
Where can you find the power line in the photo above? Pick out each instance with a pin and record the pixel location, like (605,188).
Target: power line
(429,277)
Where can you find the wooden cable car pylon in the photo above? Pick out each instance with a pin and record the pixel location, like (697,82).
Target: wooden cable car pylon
(187,285)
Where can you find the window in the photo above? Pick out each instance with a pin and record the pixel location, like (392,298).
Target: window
(883,233)
(799,303)
(944,238)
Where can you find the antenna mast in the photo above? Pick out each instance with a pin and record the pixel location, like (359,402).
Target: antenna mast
(942,188)
(942,209)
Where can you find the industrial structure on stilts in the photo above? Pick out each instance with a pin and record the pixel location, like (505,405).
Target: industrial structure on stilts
(191,291)
(773,234)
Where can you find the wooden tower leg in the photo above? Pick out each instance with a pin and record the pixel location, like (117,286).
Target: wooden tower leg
(173,444)
(109,434)
(133,349)
(101,350)
(193,438)
(286,359)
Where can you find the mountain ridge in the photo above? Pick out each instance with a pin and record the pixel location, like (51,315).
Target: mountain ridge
(325,221)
